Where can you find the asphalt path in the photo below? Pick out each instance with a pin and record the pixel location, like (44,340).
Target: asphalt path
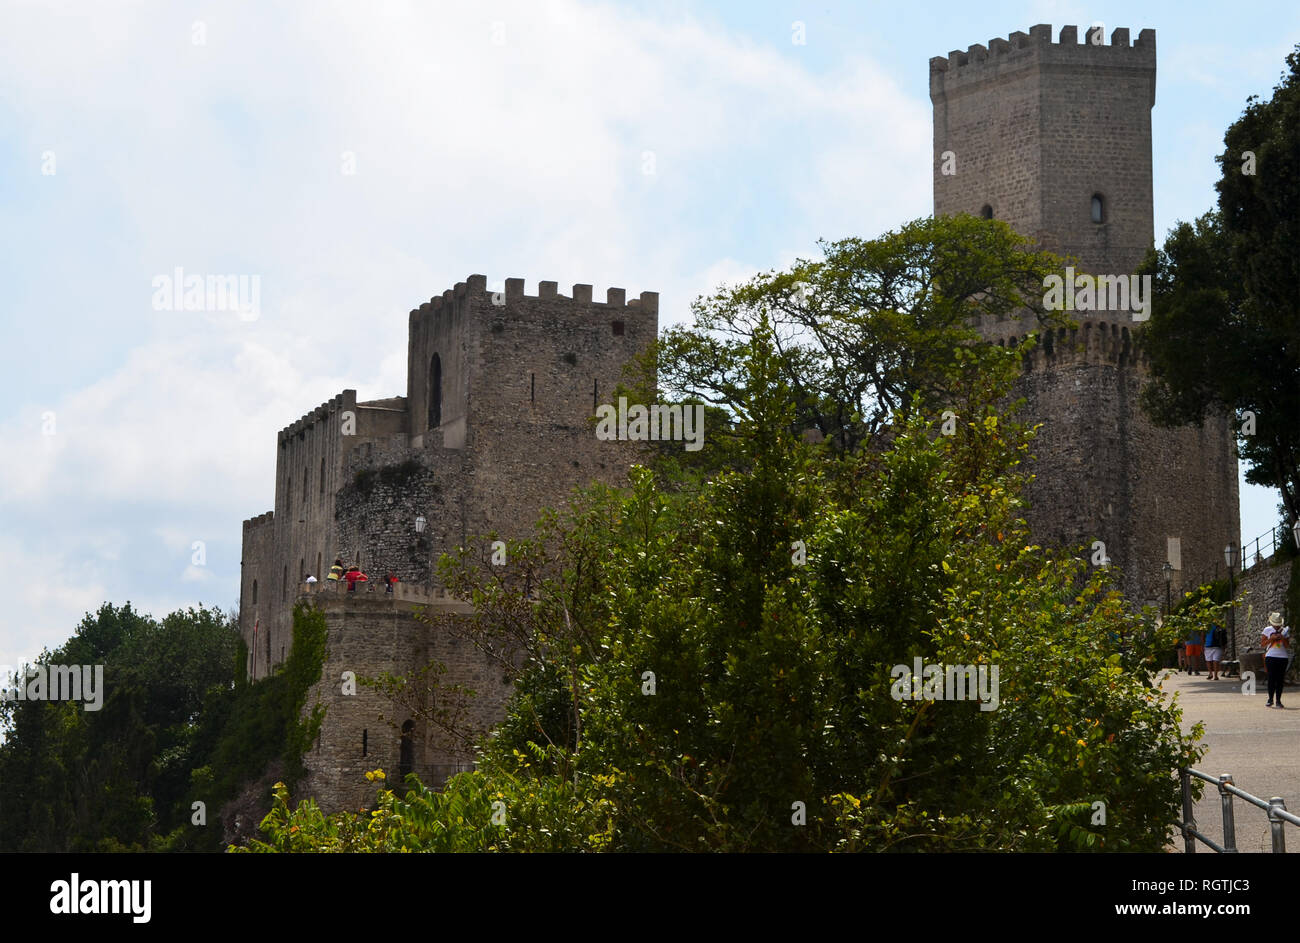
(1258,746)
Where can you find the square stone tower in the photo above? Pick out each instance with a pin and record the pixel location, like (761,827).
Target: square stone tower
(1055,139)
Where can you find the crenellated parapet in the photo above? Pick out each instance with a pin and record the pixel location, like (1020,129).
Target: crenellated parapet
(332,407)
(262,520)
(1091,342)
(475,287)
(980,63)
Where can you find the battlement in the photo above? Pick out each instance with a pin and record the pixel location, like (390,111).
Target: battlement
(260,521)
(345,400)
(980,63)
(1092,342)
(372,592)
(476,286)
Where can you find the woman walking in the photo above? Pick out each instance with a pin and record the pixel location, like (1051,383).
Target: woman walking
(1276,639)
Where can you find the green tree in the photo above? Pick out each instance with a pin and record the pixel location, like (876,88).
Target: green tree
(862,331)
(715,669)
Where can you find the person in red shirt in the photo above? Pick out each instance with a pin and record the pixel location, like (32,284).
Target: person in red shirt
(390,580)
(354,576)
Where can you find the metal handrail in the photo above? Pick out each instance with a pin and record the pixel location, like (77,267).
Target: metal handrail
(1278,816)
(1276,540)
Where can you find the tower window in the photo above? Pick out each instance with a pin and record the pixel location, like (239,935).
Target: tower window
(986,212)
(1098,208)
(618,328)
(435,392)
(322,476)
(365,741)
(254,592)
(305,473)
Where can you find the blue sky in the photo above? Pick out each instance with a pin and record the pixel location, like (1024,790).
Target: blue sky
(509,139)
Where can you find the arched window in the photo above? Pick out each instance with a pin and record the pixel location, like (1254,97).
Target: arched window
(322,476)
(435,392)
(1098,208)
(987,212)
(406,759)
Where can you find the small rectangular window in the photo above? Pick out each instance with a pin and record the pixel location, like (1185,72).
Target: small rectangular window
(618,328)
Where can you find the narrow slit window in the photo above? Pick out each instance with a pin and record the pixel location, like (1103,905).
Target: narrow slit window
(1098,208)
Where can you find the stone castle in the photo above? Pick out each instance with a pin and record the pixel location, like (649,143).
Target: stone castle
(1053,137)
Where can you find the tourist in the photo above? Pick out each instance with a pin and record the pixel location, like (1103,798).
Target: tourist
(354,576)
(389,582)
(1214,650)
(310,579)
(1181,651)
(1276,639)
(336,571)
(1195,642)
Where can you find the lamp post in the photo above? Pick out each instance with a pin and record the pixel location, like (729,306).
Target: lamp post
(1230,558)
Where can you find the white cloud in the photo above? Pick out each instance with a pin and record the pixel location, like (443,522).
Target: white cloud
(523,159)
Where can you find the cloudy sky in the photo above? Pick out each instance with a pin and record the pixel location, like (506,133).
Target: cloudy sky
(360,157)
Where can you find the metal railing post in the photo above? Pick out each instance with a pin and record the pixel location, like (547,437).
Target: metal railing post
(1229,823)
(1277,825)
(1189,841)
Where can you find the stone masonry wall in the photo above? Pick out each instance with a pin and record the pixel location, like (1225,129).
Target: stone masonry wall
(1262,589)
(369,632)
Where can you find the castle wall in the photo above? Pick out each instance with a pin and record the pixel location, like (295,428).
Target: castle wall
(368,633)
(388,484)
(258,604)
(1261,590)
(1105,472)
(310,467)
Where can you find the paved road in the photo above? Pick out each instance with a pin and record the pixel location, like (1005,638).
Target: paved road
(1258,745)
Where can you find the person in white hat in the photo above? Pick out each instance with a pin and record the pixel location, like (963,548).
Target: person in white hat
(1276,639)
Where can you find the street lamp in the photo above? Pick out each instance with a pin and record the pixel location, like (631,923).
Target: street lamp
(1295,531)
(419,524)
(1230,558)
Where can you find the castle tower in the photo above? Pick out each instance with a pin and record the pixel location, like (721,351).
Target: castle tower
(495,426)
(1055,139)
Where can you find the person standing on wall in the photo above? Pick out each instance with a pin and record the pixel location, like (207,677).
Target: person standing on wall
(336,571)
(354,576)
(1276,639)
